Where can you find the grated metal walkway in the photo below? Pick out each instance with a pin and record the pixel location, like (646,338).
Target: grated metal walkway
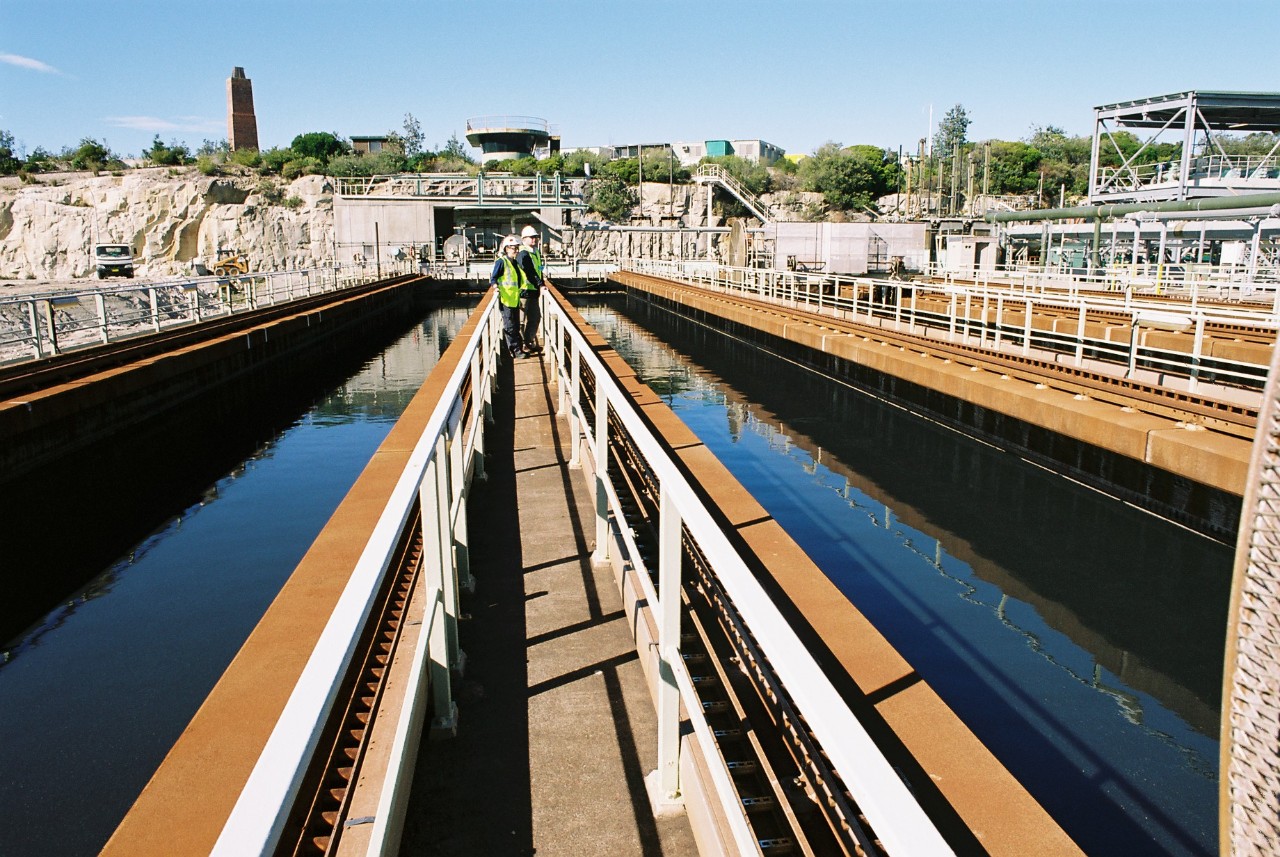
(556,728)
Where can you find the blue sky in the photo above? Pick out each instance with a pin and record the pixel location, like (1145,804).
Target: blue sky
(797,74)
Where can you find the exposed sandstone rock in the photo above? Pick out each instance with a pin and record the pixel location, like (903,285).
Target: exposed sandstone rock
(175,221)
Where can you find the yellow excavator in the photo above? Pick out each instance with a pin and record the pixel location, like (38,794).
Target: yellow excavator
(230,263)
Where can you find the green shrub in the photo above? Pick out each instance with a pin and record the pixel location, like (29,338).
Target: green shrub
(381,164)
(611,198)
(40,161)
(246,157)
(91,155)
(208,166)
(273,159)
(296,167)
(270,192)
(173,155)
(320,145)
(292,202)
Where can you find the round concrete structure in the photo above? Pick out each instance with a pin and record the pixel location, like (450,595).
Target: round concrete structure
(501,138)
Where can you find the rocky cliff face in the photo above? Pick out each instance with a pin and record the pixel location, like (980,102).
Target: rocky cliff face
(174,220)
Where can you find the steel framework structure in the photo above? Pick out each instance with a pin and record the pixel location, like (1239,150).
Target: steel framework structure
(1202,167)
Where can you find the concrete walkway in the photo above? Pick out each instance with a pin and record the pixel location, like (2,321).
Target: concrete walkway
(556,728)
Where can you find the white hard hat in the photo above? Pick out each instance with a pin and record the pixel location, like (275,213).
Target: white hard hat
(510,241)
(528,231)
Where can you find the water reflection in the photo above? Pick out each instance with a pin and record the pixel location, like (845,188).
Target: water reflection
(1080,638)
(97,688)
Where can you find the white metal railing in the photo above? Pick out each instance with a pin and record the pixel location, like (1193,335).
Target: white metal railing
(1225,282)
(1225,167)
(998,315)
(501,123)
(44,324)
(436,478)
(500,189)
(715,172)
(893,812)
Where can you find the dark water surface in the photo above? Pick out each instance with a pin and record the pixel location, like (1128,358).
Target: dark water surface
(94,693)
(1081,639)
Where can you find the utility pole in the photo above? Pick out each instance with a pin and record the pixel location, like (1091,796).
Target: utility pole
(986,171)
(910,167)
(955,178)
(640,177)
(968,194)
(921,182)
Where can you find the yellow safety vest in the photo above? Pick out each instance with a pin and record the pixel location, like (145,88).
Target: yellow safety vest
(510,282)
(537,266)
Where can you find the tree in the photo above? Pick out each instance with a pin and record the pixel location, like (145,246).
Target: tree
(951,131)
(9,163)
(611,198)
(91,155)
(173,155)
(576,163)
(455,151)
(849,178)
(214,148)
(1015,167)
(1065,161)
(1257,143)
(412,137)
(40,161)
(320,145)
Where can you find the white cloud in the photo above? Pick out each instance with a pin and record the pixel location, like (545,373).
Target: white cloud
(187,124)
(28,62)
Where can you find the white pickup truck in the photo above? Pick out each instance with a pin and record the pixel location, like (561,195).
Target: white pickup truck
(113,260)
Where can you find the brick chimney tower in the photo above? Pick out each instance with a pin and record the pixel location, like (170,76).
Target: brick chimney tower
(242,125)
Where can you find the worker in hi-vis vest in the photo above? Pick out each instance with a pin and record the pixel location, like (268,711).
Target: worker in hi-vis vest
(507,279)
(530,263)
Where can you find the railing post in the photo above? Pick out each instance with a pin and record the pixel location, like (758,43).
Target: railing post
(562,391)
(1080,337)
(101,303)
(669,559)
(51,328)
(459,543)
(444,547)
(1026,332)
(155,309)
(480,408)
(35,329)
(1197,352)
(601,553)
(575,409)
(446,721)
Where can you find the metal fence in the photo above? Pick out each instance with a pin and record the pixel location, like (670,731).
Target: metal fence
(448,454)
(890,808)
(41,325)
(1194,282)
(999,316)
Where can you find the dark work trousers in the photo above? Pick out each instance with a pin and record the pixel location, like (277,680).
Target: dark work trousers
(530,315)
(511,327)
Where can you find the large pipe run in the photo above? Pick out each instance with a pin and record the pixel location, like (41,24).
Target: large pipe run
(1254,204)
(1264,201)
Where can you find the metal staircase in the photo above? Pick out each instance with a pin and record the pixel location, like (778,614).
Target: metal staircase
(716,174)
